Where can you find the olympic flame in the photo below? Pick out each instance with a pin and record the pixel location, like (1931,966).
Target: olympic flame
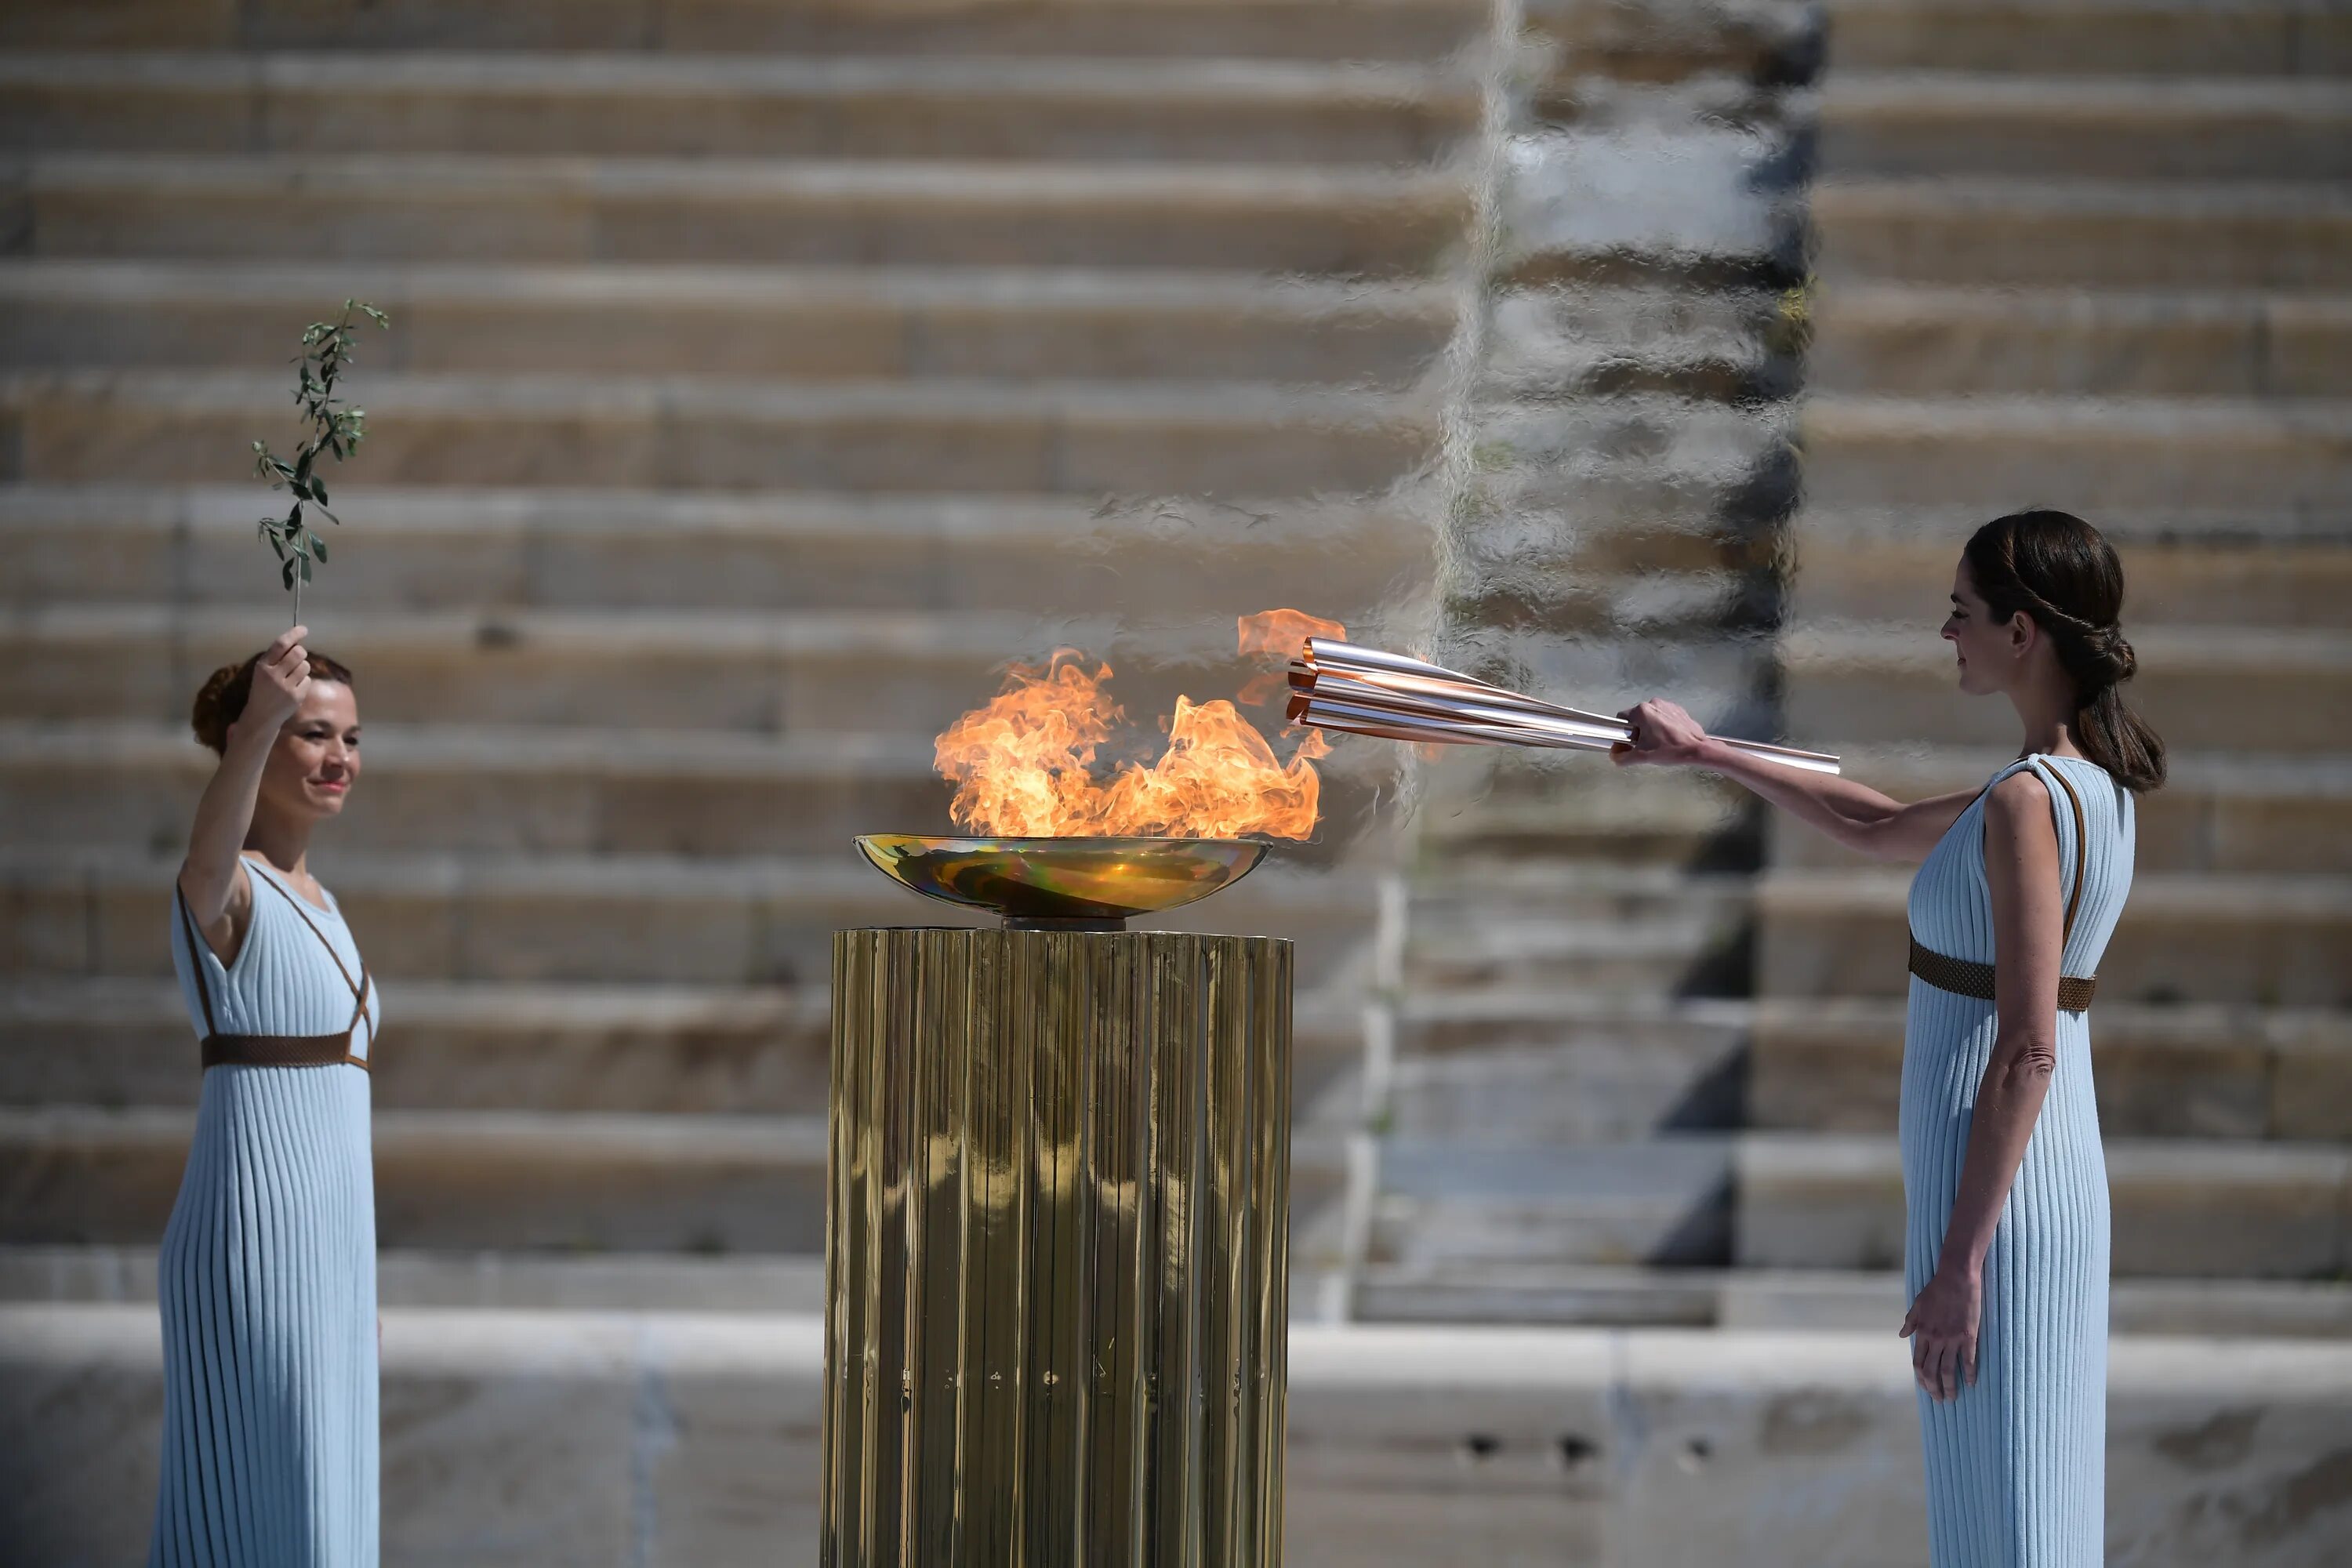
(1027,764)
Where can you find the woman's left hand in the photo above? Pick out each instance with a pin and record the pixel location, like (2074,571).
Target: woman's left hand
(1942,1328)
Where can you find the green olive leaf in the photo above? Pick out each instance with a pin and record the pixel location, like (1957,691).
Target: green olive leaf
(327,352)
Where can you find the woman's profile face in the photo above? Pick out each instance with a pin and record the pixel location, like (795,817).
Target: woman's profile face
(1988,651)
(316,761)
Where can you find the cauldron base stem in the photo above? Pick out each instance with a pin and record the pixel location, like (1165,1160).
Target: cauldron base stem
(1057,1276)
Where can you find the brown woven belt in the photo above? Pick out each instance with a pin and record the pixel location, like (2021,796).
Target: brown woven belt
(280,1051)
(1962,978)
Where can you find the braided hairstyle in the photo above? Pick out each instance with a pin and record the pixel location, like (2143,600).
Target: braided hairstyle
(2059,570)
(231,687)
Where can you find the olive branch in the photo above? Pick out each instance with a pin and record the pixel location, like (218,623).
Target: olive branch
(335,429)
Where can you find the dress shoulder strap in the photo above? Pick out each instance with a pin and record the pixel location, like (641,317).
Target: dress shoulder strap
(2057,777)
(361,988)
(2081,848)
(297,901)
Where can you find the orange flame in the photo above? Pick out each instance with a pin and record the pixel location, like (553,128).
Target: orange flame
(1025,764)
(1285,632)
(1281,634)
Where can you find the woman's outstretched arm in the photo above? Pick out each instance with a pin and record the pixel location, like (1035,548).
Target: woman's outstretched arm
(211,879)
(1854,814)
(2029,924)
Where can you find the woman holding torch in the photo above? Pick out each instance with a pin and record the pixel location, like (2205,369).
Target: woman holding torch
(267,1279)
(2019,887)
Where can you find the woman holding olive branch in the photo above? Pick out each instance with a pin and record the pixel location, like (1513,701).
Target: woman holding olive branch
(2019,887)
(267,1278)
(267,1275)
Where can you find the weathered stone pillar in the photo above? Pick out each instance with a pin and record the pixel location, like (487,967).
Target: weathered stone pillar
(1057,1254)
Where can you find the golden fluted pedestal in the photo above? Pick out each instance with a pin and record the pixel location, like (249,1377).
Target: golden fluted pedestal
(1057,1254)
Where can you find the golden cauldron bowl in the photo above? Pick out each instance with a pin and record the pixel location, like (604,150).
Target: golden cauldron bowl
(1063,882)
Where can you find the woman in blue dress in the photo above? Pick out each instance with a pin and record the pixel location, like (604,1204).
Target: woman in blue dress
(2019,887)
(266,1280)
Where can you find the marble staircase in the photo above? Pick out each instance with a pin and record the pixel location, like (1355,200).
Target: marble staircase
(763,377)
(767,374)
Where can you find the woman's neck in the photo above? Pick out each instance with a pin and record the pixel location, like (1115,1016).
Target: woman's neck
(285,844)
(2046,708)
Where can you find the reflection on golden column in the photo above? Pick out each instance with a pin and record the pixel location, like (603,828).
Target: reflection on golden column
(1057,1254)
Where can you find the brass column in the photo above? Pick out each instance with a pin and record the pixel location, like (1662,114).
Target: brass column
(1056,1256)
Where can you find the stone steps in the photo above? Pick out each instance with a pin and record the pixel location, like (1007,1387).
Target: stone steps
(1531,1064)
(623,551)
(2134,37)
(1611,926)
(1608,341)
(1460,889)
(2177,1071)
(116,1041)
(1631,486)
(604,919)
(449,789)
(1467,1207)
(718,433)
(1692,449)
(475,1281)
(810,323)
(1283,30)
(1574,810)
(456,1181)
(2216,813)
(1904,341)
(1534,1063)
(1934,123)
(2036,233)
(446,1180)
(2284,571)
(1591,1295)
(2204,689)
(453,1181)
(2098,454)
(2181,1209)
(2274,941)
(1148,110)
(446,788)
(897,673)
(386,207)
(1804,1301)
(1670,950)
(1665,43)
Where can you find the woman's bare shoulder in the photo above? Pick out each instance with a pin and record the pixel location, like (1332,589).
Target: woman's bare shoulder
(2018,802)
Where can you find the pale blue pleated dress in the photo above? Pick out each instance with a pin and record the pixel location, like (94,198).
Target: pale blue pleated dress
(2017,1465)
(268,1273)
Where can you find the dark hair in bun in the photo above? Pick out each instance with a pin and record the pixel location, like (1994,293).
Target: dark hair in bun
(2060,571)
(231,686)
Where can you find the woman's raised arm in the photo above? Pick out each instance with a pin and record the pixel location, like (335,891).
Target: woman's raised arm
(1854,814)
(211,879)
